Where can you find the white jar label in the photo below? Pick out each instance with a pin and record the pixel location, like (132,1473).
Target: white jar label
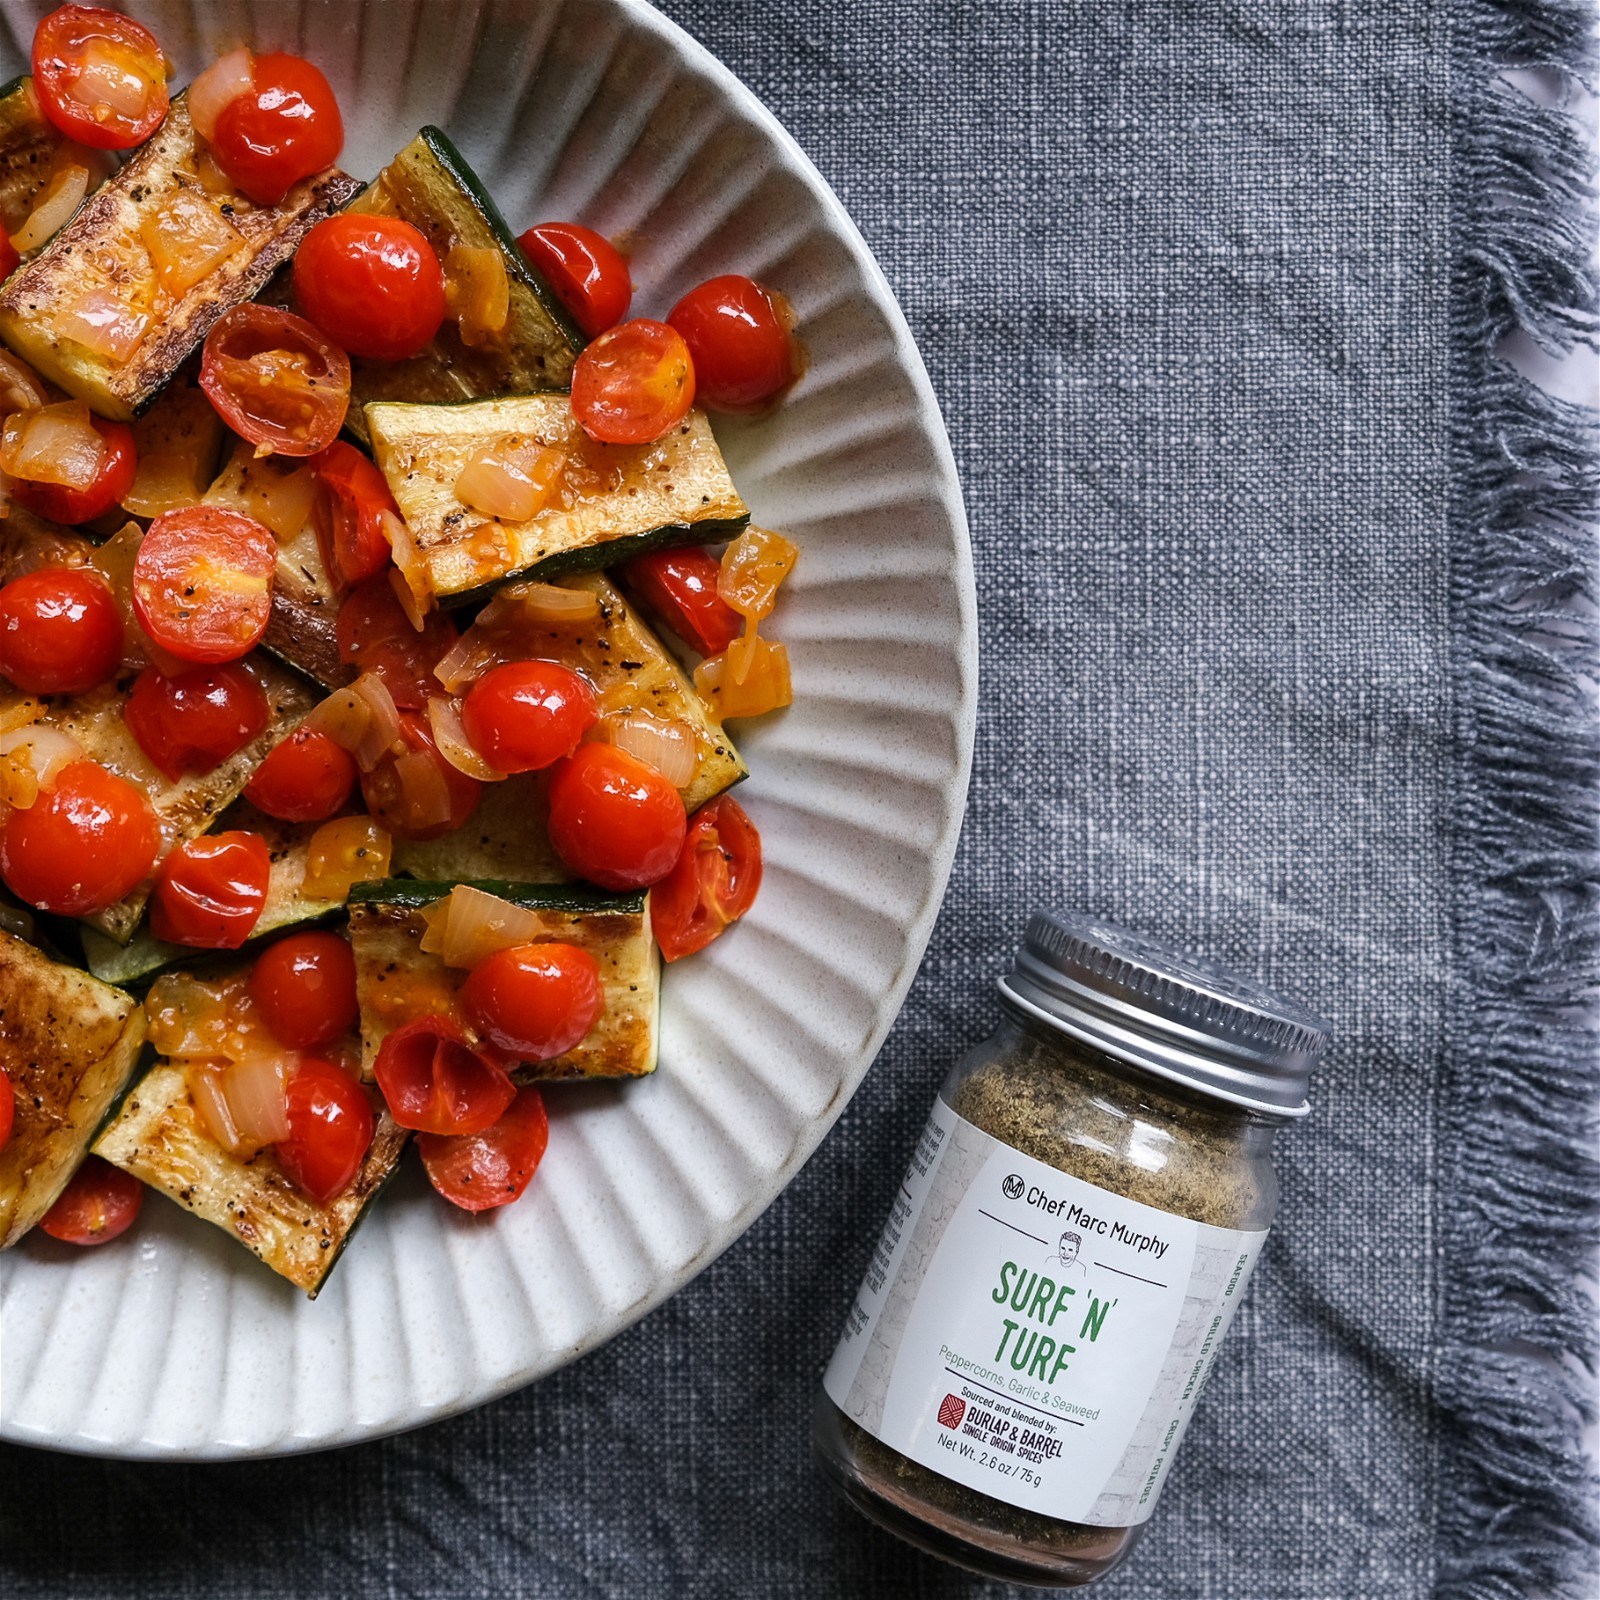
(1031,1336)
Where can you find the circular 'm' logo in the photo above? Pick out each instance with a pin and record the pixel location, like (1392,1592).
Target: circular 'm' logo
(1012,1188)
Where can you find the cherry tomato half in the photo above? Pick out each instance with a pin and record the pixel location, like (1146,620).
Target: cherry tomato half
(739,339)
(418,794)
(8,1108)
(714,882)
(305,988)
(57,503)
(306,778)
(372,281)
(81,846)
(435,1082)
(275,379)
(60,631)
(492,1168)
(634,383)
(375,635)
(100,77)
(352,497)
(525,715)
(535,1001)
(614,820)
(210,892)
(331,1124)
(194,721)
(284,128)
(202,583)
(100,1203)
(679,588)
(586,271)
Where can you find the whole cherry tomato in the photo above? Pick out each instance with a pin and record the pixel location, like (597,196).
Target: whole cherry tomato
(81,846)
(352,498)
(305,988)
(535,1001)
(614,820)
(284,128)
(331,1124)
(100,77)
(202,583)
(525,715)
(481,1170)
(57,503)
(678,587)
(195,721)
(418,794)
(373,282)
(210,892)
(713,883)
(99,1203)
(276,379)
(60,631)
(739,339)
(435,1082)
(8,1107)
(306,778)
(586,271)
(634,383)
(375,635)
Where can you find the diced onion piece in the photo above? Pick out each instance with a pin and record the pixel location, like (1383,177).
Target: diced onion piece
(408,558)
(451,737)
(19,788)
(20,712)
(211,1104)
(114,561)
(256,1088)
(766,684)
(55,444)
(466,660)
(511,480)
(105,80)
(278,494)
(664,743)
(477,291)
(424,794)
(39,751)
(342,852)
(362,719)
(752,568)
(549,602)
(163,482)
(187,240)
(104,325)
(197,1018)
(215,181)
(217,88)
(53,209)
(469,926)
(20,387)
(416,614)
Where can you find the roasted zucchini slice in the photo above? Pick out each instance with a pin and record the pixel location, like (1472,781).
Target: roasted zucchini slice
(97,280)
(69,1044)
(158,1136)
(397,981)
(614,501)
(505,838)
(431,187)
(29,147)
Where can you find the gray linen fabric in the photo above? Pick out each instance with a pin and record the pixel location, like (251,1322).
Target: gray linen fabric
(1184,277)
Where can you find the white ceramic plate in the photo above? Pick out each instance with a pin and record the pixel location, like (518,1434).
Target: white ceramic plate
(175,1342)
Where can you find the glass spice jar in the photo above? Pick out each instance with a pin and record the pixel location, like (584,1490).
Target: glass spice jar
(1071,1241)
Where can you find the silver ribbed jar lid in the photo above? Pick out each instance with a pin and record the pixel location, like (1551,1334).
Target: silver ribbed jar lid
(1178,1017)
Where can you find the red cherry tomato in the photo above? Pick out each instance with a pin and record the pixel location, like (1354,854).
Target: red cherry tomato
(9,259)
(634,383)
(275,379)
(679,589)
(305,988)
(8,1108)
(351,500)
(331,1124)
(306,778)
(435,1082)
(57,503)
(81,846)
(614,820)
(714,882)
(194,721)
(375,635)
(586,271)
(100,1203)
(494,1167)
(418,794)
(284,128)
(739,340)
(202,583)
(534,1002)
(525,715)
(374,282)
(100,77)
(210,892)
(60,631)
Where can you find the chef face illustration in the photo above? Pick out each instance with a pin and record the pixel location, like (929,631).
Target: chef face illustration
(1066,1256)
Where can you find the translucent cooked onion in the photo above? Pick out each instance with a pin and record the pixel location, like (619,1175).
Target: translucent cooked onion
(20,388)
(416,613)
(362,719)
(217,88)
(104,326)
(104,79)
(408,558)
(53,209)
(467,659)
(511,480)
(19,713)
(469,926)
(666,744)
(549,602)
(256,1087)
(454,745)
(477,291)
(278,494)
(54,444)
(187,240)
(43,751)
(211,1104)
(202,1019)
(424,795)
(114,561)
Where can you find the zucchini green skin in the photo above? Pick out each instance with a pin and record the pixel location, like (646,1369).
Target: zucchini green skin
(411,894)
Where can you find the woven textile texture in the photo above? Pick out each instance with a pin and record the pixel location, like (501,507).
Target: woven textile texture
(1208,293)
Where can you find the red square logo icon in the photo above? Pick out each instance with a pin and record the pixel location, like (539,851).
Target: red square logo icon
(951,1411)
